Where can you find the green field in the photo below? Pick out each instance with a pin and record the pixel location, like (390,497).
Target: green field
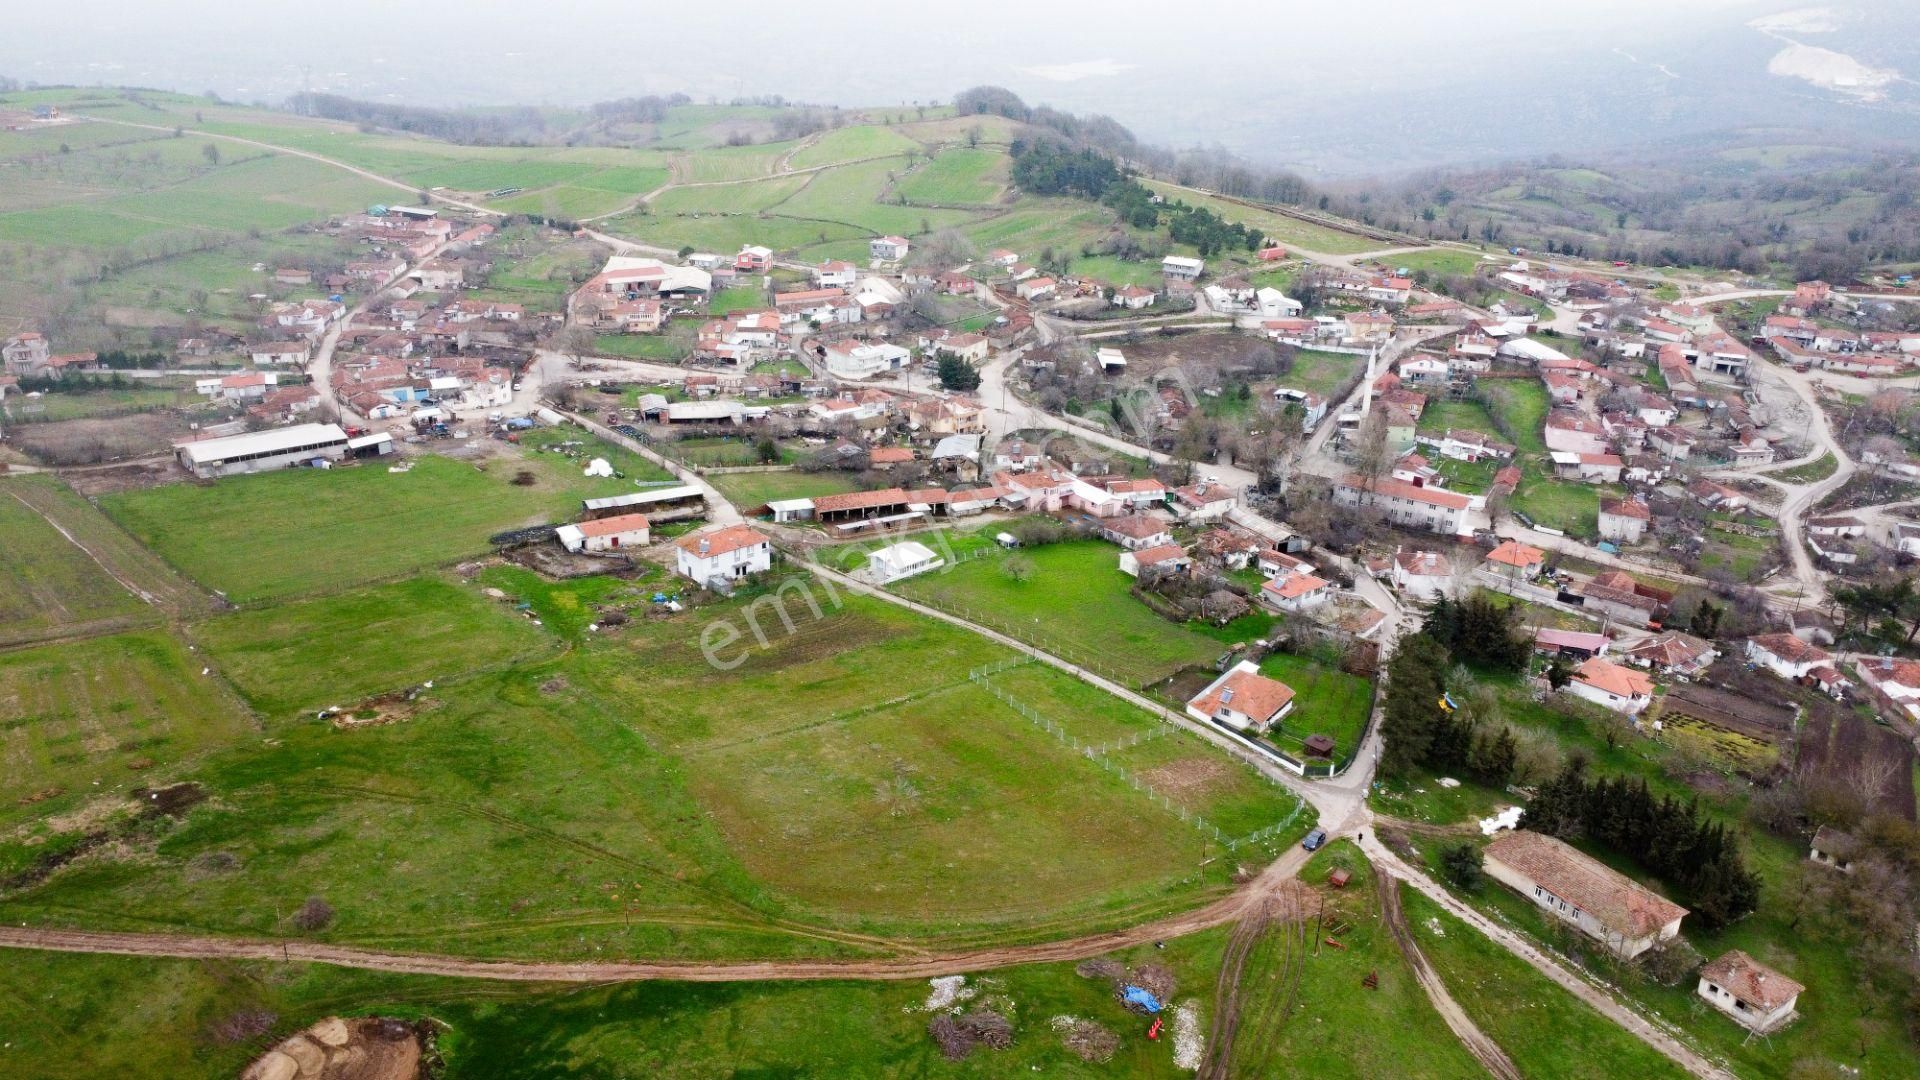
(737,298)
(303,531)
(958,177)
(94,719)
(376,640)
(1321,372)
(68,1018)
(630,798)
(852,144)
(47,581)
(1075,605)
(1286,230)
(747,197)
(1440,261)
(748,490)
(1544,1029)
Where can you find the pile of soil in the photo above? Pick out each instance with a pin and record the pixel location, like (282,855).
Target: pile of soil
(362,1048)
(1090,1041)
(958,1035)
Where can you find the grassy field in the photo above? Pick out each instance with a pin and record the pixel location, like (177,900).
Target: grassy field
(1404,1035)
(1287,230)
(386,638)
(303,531)
(46,581)
(1075,604)
(746,197)
(1117,271)
(854,143)
(1327,701)
(1439,262)
(1321,372)
(68,1018)
(629,797)
(94,719)
(958,177)
(748,490)
(737,298)
(1544,1029)
(1813,471)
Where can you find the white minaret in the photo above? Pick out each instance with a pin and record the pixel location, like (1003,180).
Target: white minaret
(1366,387)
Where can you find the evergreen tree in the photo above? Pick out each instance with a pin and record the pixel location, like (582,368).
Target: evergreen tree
(1416,679)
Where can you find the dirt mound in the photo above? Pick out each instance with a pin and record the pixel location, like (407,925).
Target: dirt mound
(361,1048)
(1188,776)
(1100,968)
(958,1035)
(170,801)
(380,710)
(1090,1041)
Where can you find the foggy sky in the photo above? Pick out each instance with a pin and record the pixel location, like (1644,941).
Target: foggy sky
(1270,80)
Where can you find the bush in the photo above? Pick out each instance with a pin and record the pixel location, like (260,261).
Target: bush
(315,914)
(1461,865)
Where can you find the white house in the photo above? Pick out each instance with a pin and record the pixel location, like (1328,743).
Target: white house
(1243,699)
(1181,267)
(1759,998)
(1422,575)
(1111,361)
(722,555)
(1035,288)
(889,248)
(861,360)
(1433,509)
(1201,502)
(1785,655)
(836,274)
(1607,684)
(1833,848)
(902,560)
(1624,521)
(1274,304)
(1133,297)
(1296,592)
(1136,532)
(279,352)
(606,534)
(1601,902)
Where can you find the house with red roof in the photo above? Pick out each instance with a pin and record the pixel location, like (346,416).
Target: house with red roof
(1243,699)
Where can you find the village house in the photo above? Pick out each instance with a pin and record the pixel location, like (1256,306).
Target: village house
(753,259)
(273,353)
(1833,848)
(899,561)
(1469,446)
(1422,575)
(1672,443)
(1513,560)
(1624,521)
(1134,297)
(862,360)
(1201,502)
(1243,699)
(1673,653)
(1588,468)
(1717,496)
(1759,998)
(1166,558)
(1038,288)
(1751,449)
(1136,532)
(1575,434)
(1572,644)
(889,248)
(1893,683)
(1433,509)
(836,274)
(1227,549)
(719,556)
(1367,327)
(606,534)
(1785,655)
(1293,592)
(969,347)
(1611,686)
(1181,268)
(1606,905)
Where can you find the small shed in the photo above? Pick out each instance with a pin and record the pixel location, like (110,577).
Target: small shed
(1339,878)
(1320,746)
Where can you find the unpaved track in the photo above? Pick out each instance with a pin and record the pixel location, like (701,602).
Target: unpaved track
(191,947)
(1484,1049)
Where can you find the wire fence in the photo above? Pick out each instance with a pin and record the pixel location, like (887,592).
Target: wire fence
(1101,754)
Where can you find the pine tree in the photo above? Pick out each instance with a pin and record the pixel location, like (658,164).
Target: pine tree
(1415,682)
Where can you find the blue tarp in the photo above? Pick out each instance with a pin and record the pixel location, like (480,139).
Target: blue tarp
(1136,995)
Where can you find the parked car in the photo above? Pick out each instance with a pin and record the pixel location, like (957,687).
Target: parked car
(1315,840)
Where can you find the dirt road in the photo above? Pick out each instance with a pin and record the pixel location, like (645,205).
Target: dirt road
(1484,1049)
(194,947)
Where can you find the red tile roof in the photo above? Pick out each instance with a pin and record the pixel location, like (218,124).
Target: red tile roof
(720,542)
(1751,981)
(1621,904)
(1250,693)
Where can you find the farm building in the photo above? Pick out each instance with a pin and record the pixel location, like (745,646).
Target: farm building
(1760,998)
(902,560)
(1422,575)
(1785,655)
(675,503)
(606,534)
(1243,699)
(1673,652)
(722,555)
(1578,644)
(260,451)
(1601,902)
(1296,592)
(1834,848)
(1167,557)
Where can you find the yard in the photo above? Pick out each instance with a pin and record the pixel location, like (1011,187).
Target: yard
(958,177)
(302,531)
(1321,372)
(1074,604)
(1327,701)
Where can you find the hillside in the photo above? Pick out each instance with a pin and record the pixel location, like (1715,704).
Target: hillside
(105,213)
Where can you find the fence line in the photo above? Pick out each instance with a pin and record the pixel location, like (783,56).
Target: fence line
(1101,754)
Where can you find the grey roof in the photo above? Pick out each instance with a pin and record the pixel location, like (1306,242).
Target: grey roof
(957,446)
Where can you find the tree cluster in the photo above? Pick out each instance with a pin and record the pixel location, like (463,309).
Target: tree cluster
(1420,729)
(957,374)
(1672,839)
(1480,632)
